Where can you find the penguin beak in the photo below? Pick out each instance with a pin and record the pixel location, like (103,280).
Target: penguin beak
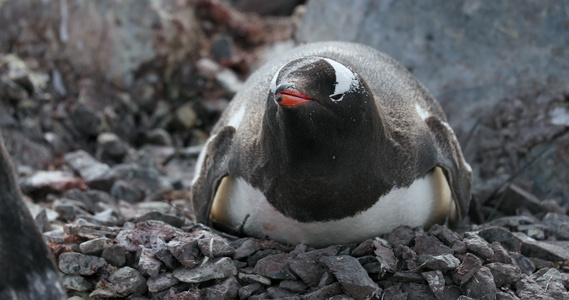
(287,95)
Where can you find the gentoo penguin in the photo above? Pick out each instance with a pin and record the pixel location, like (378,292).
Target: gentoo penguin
(27,269)
(332,143)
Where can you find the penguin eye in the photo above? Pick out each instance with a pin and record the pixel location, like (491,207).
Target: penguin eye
(337,97)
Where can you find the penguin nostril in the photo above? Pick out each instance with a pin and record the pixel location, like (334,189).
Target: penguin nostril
(283,87)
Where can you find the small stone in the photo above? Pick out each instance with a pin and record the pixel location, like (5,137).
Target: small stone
(443,262)
(544,250)
(306,265)
(159,216)
(252,278)
(248,290)
(418,291)
(514,197)
(76,283)
(509,222)
(215,247)
(72,263)
(223,49)
(385,256)
(469,266)
(68,210)
(165,256)
(186,116)
(275,267)
(444,234)
(402,235)
(193,294)
(459,247)
(535,231)
(325,292)
(478,246)
(408,255)
(326,279)
(86,120)
(246,249)
(186,251)
(558,225)
(115,255)
(552,282)
(436,282)
(278,293)
(42,221)
(211,269)
(159,136)
(229,81)
(394,292)
(131,239)
(95,246)
(352,276)
(147,262)
(501,254)
(374,267)
(87,166)
(228,289)
(363,249)
(430,245)
(110,146)
(528,289)
(162,253)
(481,285)
(408,277)
(126,281)
(101,293)
(503,236)
(253,259)
(50,181)
(293,286)
(125,191)
(161,282)
(542,263)
(504,274)
(526,265)
(506,296)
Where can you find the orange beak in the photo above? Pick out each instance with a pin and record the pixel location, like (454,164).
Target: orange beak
(291,98)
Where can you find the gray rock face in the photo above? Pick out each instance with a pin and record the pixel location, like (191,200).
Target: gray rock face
(127,29)
(465,59)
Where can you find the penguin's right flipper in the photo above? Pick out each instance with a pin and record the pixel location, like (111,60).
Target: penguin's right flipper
(214,167)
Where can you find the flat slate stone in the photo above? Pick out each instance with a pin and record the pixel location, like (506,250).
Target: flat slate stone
(212,269)
(352,276)
(72,263)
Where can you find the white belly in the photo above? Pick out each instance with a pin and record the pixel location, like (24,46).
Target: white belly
(426,201)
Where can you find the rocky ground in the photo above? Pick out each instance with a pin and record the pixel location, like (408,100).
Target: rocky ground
(105,163)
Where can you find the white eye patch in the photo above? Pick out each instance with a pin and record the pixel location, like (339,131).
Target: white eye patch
(345,80)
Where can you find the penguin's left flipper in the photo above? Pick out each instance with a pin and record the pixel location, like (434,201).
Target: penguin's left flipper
(455,168)
(214,167)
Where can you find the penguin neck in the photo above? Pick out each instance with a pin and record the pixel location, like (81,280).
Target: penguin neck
(326,160)
(319,143)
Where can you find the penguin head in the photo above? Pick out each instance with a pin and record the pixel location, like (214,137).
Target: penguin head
(319,108)
(319,84)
